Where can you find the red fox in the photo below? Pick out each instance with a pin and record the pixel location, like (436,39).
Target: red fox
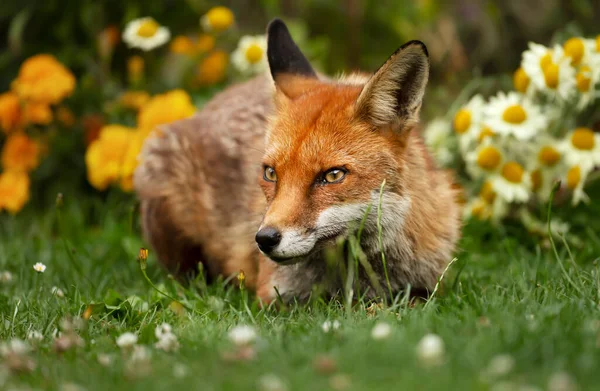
(271,172)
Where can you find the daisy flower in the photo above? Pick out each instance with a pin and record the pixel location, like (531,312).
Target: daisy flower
(242,335)
(484,160)
(39,267)
(575,179)
(467,121)
(587,78)
(487,206)
(217,19)
(145,34)
(514,114)
(250,57)
(521,80)
(430,349)
(550,70)
(512,184)
(579,50)
(582,147)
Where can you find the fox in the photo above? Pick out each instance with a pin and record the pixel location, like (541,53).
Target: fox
(272,173)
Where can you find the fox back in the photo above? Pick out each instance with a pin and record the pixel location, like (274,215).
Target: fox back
(272,173)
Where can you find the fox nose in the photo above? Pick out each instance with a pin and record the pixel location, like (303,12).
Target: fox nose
(267,239)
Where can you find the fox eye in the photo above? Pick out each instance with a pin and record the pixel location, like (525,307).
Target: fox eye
(334,175)
(269,174)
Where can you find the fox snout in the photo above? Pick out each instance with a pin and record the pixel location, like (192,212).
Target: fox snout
(267,239)
(286,245)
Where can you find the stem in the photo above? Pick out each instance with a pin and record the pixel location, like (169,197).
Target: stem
(164,293)
(380,230)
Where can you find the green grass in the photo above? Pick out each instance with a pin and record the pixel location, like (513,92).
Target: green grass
(506,294)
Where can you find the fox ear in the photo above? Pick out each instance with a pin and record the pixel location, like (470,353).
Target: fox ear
(394,93)
(286,62)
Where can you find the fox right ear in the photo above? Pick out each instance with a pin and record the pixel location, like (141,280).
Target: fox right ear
(288,66)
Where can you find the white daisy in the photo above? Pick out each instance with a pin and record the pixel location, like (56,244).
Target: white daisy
(575,179)
(514,114)
(581,147)
(521,81)
(579,50)
(487,206)
(484,160)
(250,57)
(146,34)
(242,335)
(549,70)
(437,138)
(127,340)
(467,122)
(544,166)
(430,349)
(39,267)
(381,331)
(587,78)
(513,183)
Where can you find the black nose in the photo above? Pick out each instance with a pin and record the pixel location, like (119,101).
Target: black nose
(267,238)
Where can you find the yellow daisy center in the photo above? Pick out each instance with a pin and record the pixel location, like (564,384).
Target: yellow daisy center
(520,80)
(546,60)
(478,210)
(536,179)
(489,158)
(598,43)
(548,156)
(513,172)
(573,177)
(583,79)
(575,49)
(551,73)
(583,138)
(462,121)
(219,18)
(148,28)
(254,53)
(487,193)
(485,132)
(514,114)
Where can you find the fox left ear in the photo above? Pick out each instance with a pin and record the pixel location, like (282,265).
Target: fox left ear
(394,94)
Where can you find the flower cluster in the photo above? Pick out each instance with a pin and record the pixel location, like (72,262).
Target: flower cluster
(517,144)
(41,85)
(112,157)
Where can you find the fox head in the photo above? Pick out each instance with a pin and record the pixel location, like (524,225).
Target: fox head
(330,145)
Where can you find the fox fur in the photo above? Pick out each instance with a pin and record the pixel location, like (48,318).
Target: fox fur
(204,192)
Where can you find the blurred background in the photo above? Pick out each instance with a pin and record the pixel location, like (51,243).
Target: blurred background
(468,40)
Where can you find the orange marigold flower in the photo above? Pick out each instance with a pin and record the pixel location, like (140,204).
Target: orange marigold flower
(10,111)
(105,156)
(20,153)
(37,113)
(212,69)
(14,190)
(165,108)
(43,79)
(182,45)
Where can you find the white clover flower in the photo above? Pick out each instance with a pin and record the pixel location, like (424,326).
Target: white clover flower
(146,34)
(500,365)
(127,340)
(250,57)
(180,371)
(550,70)
(242,335)
(39,267)
(513,183)
(431,350)
(56,291)
(437,137)
(35,335)
(6,277)
(271,382)
(380,331)
(140,354)
(104,359)
(168,343)
(514,114)
(328,325)
(162,330)
(467,122)
(582,147)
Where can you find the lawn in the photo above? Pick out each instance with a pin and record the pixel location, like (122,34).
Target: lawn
(511,314)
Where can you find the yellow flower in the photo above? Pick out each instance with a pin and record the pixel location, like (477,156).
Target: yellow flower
(20,153)
(182,45)
(205,43)
(43,79)
(105,156)
(521,80)
(14,190)
(165,108)
(37,113)
(10,111)
(135,68)
(217,19)
(134,100)
(212,69)
(130,161)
